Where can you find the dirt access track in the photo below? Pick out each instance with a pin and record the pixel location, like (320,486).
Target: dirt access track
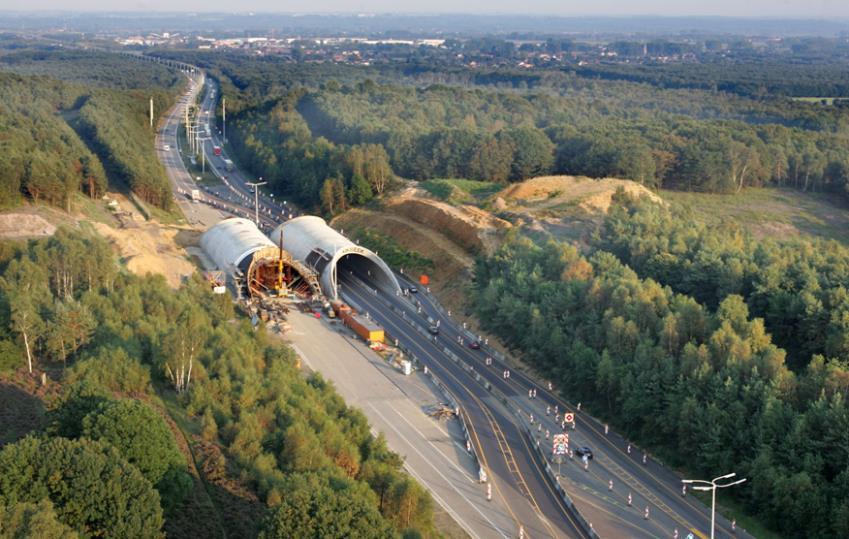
(143,246)
(451,235)
(448,235)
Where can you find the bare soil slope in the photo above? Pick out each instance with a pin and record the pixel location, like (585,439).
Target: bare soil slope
(568,207)
(473,229)
(551,192)
(150,248)
(449,235)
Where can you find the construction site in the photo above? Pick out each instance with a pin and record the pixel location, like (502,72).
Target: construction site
(296,267)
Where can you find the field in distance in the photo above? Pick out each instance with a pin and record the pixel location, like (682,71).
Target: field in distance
(770,212)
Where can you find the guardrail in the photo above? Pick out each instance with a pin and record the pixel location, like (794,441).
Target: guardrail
(461,413)
(525,428)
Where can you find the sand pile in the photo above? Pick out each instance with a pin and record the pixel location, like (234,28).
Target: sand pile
(588,194)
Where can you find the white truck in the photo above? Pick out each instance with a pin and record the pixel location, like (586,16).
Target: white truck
(195,194)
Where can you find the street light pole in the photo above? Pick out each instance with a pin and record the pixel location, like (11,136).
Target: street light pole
(256,185)
(713,486)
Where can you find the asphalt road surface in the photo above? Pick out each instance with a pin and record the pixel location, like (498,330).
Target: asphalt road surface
(432,450)
(616,462)
(510,461)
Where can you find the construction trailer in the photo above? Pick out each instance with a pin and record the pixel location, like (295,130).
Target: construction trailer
(366,328)
(257,267)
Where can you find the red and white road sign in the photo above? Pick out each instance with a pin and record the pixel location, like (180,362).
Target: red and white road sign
(569,417)
(560,444)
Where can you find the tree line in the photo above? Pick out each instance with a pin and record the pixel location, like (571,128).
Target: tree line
(705,386)
(494,136)
(800,288)
(770,77)
(105,463)
(500,124)
(63,138)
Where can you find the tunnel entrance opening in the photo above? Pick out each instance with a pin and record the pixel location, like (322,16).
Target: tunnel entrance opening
(330,254)
(367,270)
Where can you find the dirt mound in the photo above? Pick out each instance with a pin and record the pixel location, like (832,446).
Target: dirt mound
(24,225)
(452,262)
(150,248)
(590,195)
(471,228)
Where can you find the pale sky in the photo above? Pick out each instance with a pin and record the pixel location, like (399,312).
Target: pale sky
(745,8)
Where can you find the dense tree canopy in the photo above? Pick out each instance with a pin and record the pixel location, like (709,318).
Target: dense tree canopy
(61,138)
(138,433)
(305,138)
(27,519)
(94,490)
(800,288)
(704,384)
(268,421)
(317,506)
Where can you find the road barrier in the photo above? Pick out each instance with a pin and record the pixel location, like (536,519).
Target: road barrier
(525,428)
(461,413)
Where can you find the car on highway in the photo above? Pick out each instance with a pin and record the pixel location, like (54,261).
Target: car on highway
(475,345)
(584,451)
(433,330)
(413,290)
(167,147)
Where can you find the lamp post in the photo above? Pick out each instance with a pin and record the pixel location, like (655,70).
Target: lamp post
(256,185)
(712,486)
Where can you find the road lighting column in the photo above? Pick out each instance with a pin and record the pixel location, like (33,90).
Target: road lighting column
(712,486)
(256,185)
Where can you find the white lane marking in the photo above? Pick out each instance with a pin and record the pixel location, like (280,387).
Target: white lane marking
(441,502)
(462,471)
(413,447)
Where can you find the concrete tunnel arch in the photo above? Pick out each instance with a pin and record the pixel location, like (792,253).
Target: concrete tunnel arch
(251,261)
(310,240)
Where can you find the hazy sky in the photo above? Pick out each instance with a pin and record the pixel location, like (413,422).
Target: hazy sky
(746,8)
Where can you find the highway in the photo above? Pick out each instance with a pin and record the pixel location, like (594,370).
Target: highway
(614,465)
(234,187)
(233,197)
(510,462)
(506,452)
(433,451)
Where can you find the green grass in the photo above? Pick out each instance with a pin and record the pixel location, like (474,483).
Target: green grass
(391,251)
(733,509)
(771,212)
(823,100)
(460,191)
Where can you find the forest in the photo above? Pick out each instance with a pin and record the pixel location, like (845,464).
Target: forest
(106,461)
(298,124)
(684,351)
(755,79)
(78,123)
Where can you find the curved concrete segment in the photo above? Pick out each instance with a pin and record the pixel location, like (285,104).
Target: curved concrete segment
(310,240)
(232,240)
(254,263)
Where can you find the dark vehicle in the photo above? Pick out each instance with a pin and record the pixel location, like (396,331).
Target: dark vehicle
(475,345)
(413,290)
(433,330)
(584,452)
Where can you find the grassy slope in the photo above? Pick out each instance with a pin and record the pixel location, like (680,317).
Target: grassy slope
(771,212)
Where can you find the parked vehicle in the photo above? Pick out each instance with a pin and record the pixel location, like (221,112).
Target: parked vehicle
(584,451)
